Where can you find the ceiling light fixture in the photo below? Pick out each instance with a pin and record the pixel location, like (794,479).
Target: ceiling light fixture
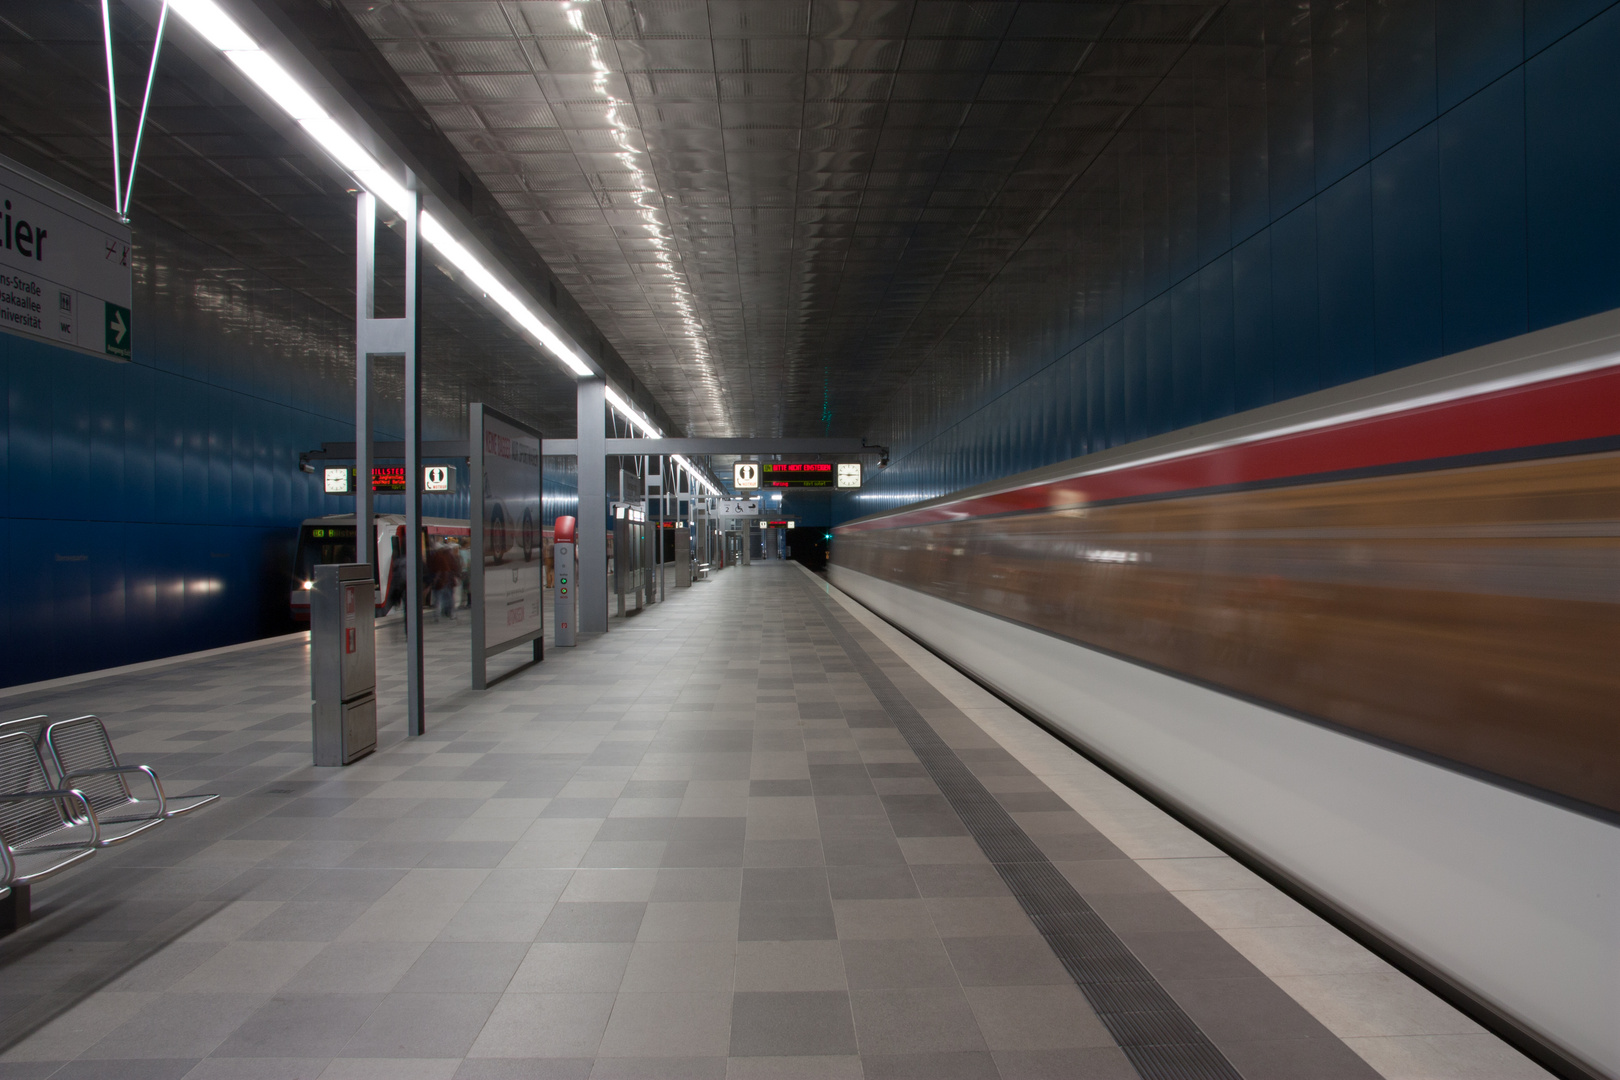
(223,33)
(630,414)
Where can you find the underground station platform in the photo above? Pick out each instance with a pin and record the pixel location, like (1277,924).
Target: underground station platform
(752,832)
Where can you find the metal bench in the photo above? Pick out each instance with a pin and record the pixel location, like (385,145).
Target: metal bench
(85,759)
(44,829)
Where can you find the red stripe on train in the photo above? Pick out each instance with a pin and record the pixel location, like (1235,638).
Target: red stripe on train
(1565,410)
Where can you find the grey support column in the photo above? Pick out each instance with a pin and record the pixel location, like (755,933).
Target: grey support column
(391,337)
(591,570)
(415,691)
(365,296)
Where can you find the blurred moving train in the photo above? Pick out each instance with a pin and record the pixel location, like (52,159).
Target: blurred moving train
(1370,636)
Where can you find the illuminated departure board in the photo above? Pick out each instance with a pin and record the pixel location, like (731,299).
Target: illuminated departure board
(781,474)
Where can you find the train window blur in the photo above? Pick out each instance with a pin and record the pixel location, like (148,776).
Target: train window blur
(319,544)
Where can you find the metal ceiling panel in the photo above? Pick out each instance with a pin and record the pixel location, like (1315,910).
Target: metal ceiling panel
(775,208)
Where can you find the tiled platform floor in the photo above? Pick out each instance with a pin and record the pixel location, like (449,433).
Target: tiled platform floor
(695,847)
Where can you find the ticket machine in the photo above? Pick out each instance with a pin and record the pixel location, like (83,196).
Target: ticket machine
(567,603)
(343,663)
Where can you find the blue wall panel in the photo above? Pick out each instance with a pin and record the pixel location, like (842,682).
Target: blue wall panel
(1394,180)
(1401,69)
(150,507)
(1482,216)
(1406,251)
(1476,42)
(1572,110)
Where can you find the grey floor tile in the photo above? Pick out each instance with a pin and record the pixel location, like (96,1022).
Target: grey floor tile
(526,1068)
(350,885)
(914,1021)
(422,1026)
(668,1025)
(463,967)
(807,921)
(673,966)
(178,1024)
(1195,954)
(795,884)
(571,968)
(307,920)
(264,1068)
(1010,960)
(961,1065)
(871,883)
(789,965)
(1035,1018)
(128,1069)
(522,886)
(300,1026)
(893,964)
(611,921)
(465,853)
(1280,1059)
(936,879)
(544,1026)
(1093,1063)
(676,884)
(659,1068)
(792,1023)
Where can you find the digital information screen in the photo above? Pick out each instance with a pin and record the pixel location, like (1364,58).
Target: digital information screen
(783,474)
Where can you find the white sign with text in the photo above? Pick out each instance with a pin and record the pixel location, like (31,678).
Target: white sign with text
(64,266)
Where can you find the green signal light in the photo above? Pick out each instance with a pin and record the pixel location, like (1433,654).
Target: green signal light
(565,581)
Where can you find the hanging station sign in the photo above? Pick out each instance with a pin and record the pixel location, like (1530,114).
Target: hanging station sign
(64,266)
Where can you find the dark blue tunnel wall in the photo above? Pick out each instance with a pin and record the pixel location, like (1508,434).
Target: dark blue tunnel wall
(151,507)
(1319,192)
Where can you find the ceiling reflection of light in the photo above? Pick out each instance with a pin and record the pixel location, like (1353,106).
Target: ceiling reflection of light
(648,201)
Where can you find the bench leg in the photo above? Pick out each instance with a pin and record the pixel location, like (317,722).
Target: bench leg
(14,910)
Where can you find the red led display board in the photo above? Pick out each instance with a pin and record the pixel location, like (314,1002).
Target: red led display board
(388,478)
(783,474)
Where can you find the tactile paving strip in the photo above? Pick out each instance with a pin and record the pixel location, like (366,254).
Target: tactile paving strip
(1159,1039)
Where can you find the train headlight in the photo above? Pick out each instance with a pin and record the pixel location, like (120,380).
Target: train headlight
(309,584)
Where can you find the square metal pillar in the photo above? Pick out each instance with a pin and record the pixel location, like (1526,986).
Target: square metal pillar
(591,550)
(391,337)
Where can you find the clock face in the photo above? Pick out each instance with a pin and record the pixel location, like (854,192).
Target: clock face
(849,475)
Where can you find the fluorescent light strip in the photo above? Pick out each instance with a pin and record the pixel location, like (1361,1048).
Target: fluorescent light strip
(694,474)
(630,414)
(262,69)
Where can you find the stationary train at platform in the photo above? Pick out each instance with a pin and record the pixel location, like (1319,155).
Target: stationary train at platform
(331,539)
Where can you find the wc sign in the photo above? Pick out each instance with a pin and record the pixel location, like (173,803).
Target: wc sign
(745,474)
(437,478)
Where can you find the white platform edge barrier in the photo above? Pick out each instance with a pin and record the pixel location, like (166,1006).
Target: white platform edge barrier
(1514,899)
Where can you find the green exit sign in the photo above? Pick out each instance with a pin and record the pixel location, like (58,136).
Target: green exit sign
(118,330)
